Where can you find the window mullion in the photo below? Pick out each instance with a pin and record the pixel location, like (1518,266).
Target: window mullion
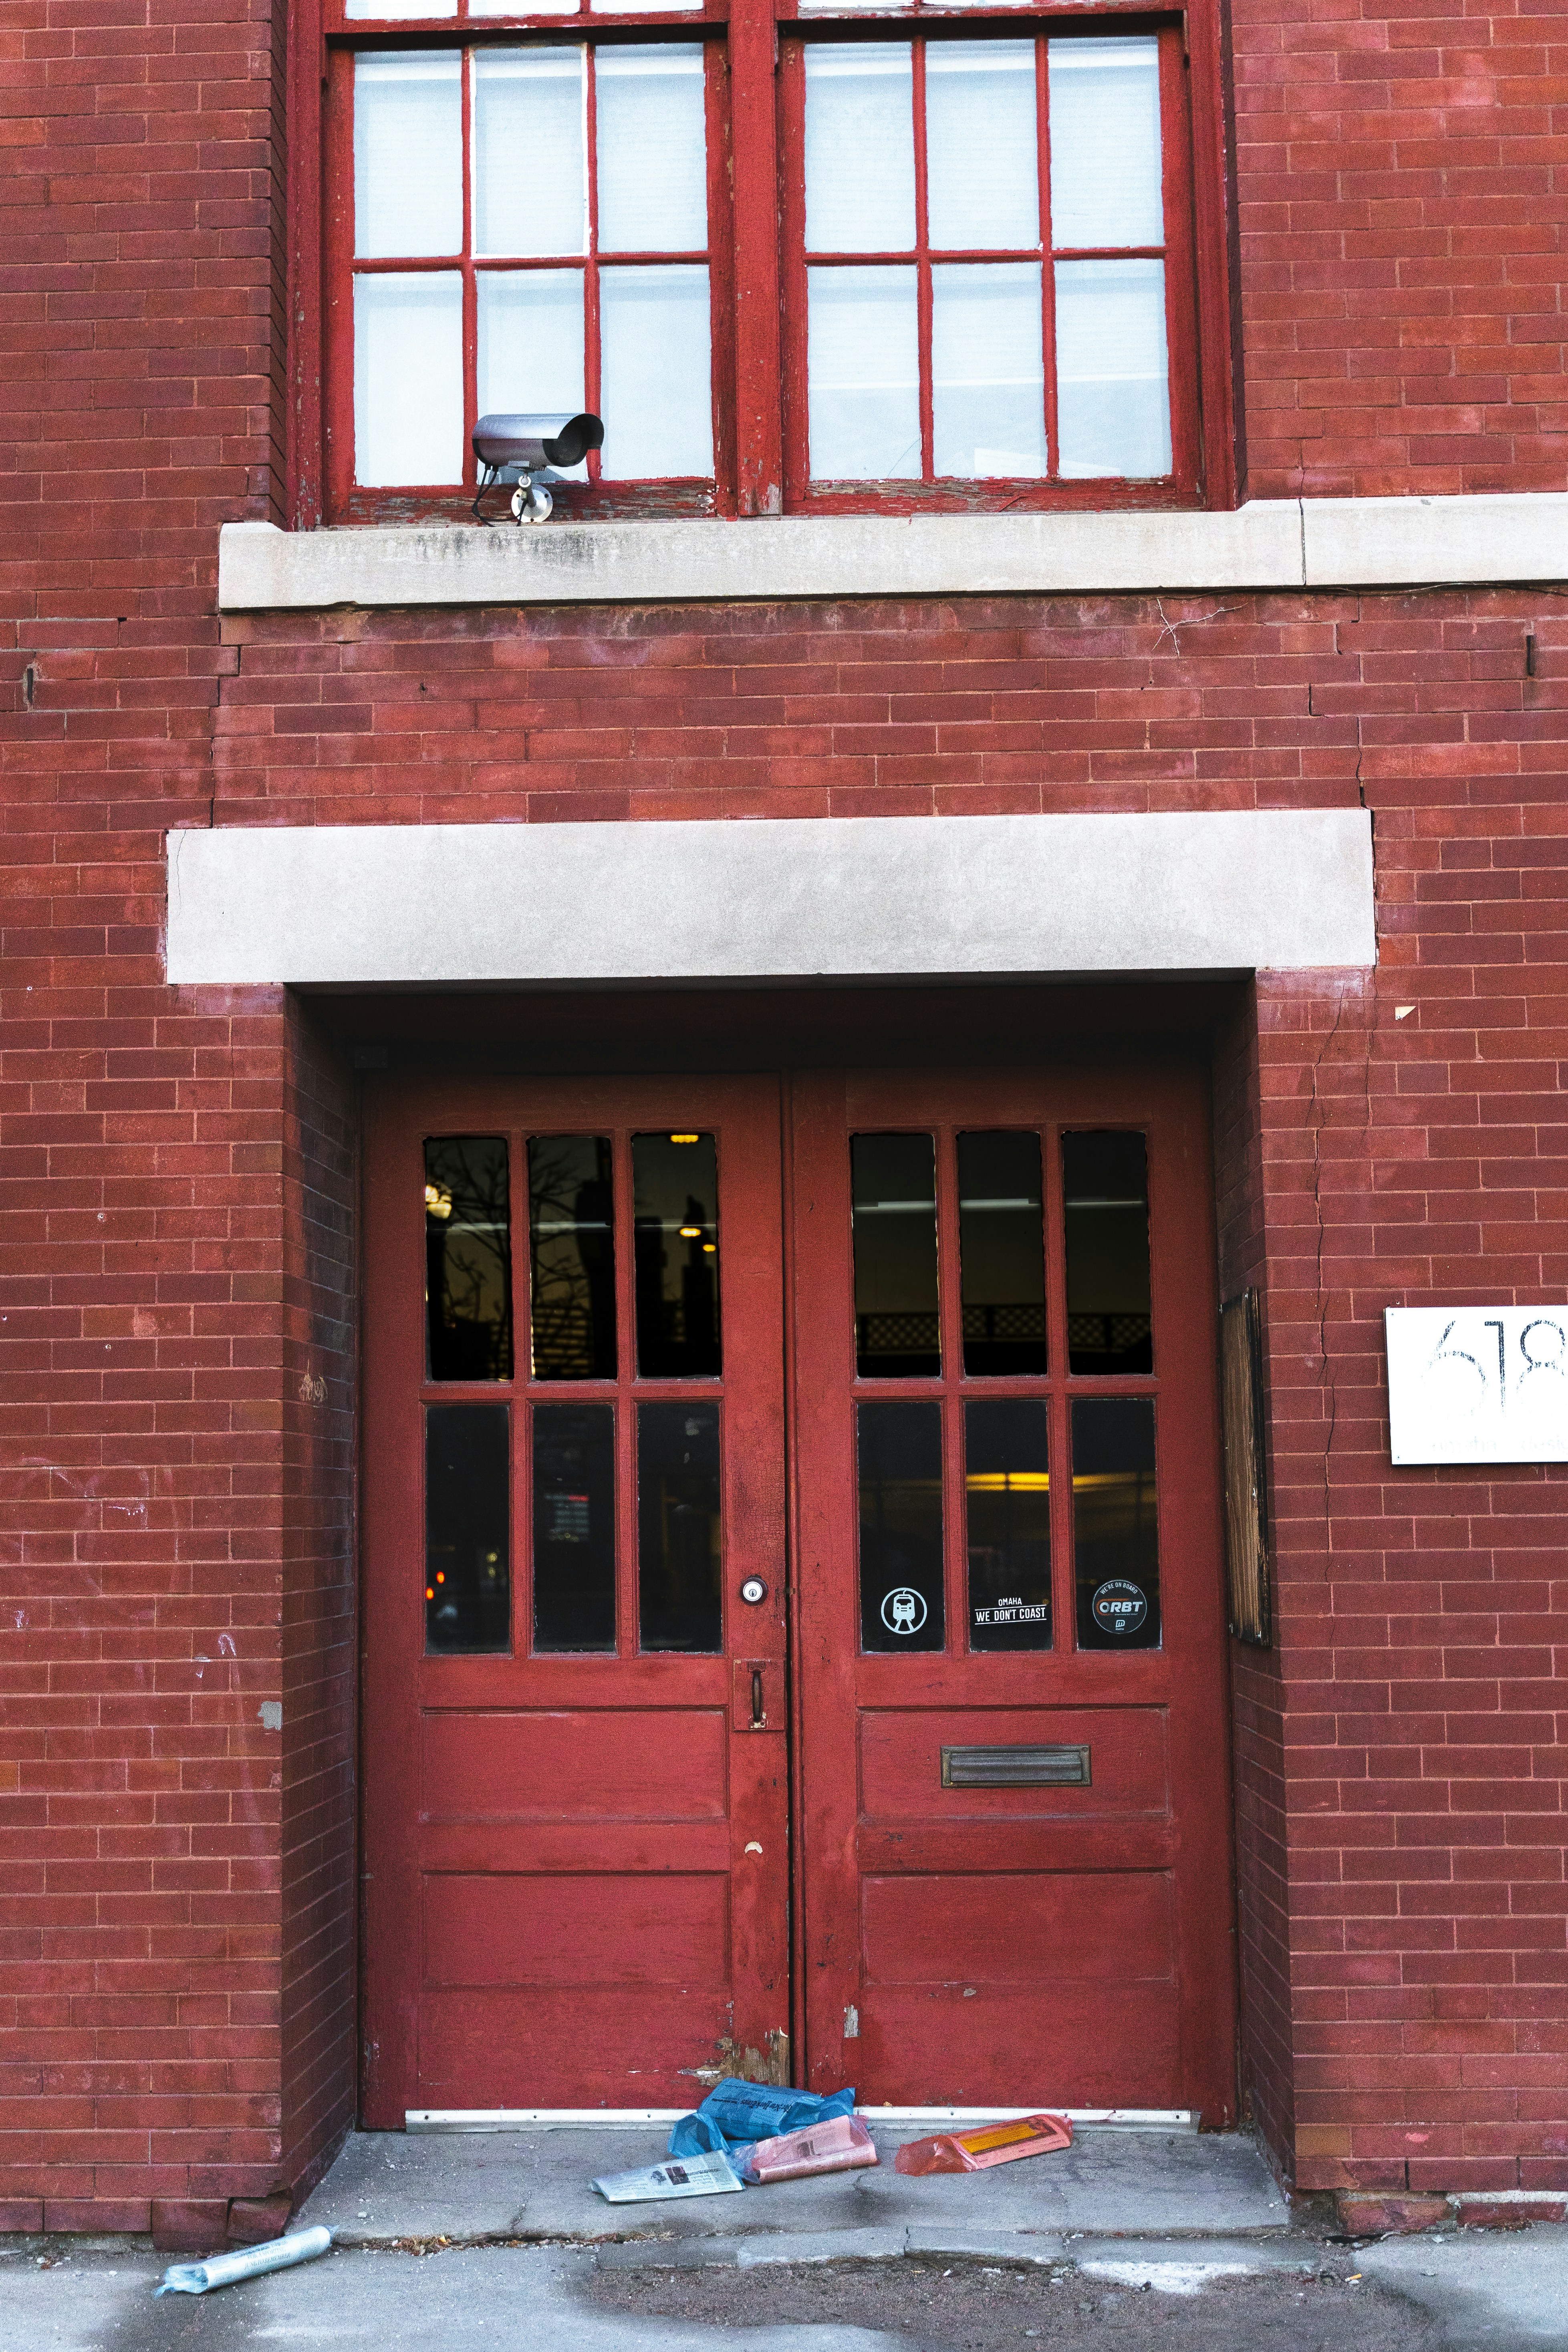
(754,146)
(591,369)
(1047,267)
(922,266)
(470,289)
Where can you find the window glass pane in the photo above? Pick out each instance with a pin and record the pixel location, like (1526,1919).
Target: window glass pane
(408,152)
(654,337)
(408,378)
(1116,1532)
(1007,1498)
(1106,1185)
(988,371)
(864,374)
(982,179)
(571,1226)
(468,1258)
(1002,1252)
(639,7)
(531,187)
(679,1605)
(467,1586)
(573,1527)
(1113,393)
(391,9)
(530,345)
(893,1190)
(675,1194)
(1105,142)
(899,1457)
(652,150)
(859,148)
(510,7)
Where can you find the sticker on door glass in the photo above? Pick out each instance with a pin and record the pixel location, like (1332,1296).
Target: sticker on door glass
(903,1609)
(1119,1607)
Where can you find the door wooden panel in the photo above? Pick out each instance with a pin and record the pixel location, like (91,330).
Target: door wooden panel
(1071,1944)
(577,1861)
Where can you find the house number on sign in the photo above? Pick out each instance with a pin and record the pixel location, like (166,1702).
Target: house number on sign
(1478,1383)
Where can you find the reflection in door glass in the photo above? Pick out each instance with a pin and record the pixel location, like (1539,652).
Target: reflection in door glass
(572,1233)
(1002,1250)
(1007,1499)
(1116,1533)
(893,1190)
(468,1258)
(678,1604)
(467,1587)
(573,1527)
(899,1452)
(675,1211)
(1106,1183)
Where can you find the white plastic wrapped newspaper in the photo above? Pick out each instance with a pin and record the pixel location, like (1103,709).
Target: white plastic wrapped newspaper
(677,2175)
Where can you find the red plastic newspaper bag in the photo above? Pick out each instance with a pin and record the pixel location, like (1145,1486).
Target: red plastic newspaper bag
(840,2144)
(976,2151)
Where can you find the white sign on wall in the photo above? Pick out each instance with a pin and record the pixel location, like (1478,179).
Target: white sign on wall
(1478,1383)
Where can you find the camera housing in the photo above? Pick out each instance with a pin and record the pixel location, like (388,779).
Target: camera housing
(513,449)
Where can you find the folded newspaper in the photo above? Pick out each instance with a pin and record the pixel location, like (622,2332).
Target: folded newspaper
(685,2176)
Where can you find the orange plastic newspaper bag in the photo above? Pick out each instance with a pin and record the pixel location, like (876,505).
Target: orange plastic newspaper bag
(976,2151)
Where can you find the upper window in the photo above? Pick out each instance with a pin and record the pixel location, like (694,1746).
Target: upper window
(943,267)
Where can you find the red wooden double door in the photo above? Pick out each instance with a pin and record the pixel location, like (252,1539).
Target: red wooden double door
(793,1637)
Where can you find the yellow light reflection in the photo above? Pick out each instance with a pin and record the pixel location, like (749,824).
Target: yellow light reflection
(1008,1481)
(690,1233)
(437,1200)
(686,1138)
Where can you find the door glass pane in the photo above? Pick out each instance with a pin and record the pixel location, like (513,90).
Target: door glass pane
(530,344)
(573,1527)
(531,187)
(1105,142)
(1113,392)
(408,152)
(571,1213)
(652,150)
(899,1458)
(1105,1181)
(1002,1252)
(674,1196)
(988,369)
(468,1258)
(655,337)
(467,1586)
(1007,1498)
(1116,1532)
(679,1604)
(408,378)
(859,147)
(893,1192)
(982,180)
(863,374)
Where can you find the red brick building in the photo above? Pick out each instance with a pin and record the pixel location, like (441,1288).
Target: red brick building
(1207,486)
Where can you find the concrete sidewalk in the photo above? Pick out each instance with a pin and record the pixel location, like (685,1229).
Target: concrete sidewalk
(390,2188)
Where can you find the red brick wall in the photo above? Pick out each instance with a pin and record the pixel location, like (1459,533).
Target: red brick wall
(1401,210)
(176,1171)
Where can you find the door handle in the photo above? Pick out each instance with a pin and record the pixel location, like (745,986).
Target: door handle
(753,1687)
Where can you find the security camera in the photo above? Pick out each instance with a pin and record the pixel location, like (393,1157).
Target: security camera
(515,449)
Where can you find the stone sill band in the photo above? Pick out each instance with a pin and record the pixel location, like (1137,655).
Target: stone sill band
(1269,544)
(772,898)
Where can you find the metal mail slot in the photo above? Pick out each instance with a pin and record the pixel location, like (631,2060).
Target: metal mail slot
(1014,1768)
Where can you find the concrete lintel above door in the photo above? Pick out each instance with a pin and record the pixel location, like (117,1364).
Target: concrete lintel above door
(775,898)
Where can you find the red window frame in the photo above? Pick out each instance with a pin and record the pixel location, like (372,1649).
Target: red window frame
(756,258)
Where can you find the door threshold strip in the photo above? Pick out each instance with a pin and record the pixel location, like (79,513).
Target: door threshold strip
(501,2119)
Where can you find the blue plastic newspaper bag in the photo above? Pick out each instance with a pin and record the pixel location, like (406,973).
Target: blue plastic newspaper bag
(734,2112)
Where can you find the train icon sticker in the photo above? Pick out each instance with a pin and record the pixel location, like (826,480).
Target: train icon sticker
(904,1610)
(1119,1606)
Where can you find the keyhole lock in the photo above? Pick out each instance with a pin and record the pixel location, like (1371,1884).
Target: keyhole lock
(754,1590)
